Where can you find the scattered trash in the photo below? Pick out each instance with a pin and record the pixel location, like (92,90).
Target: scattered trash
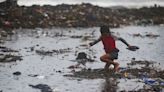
(135,62)
(122,69)
(133,48)
(9,58)
(37,76)
(17,73)
(59,71)
(42,52)
(81,59)
(76,36)
(81,55)
(42,87)
(50,53)
(8,55)
(93,74)
(33,75)
(149,35)
(137,35)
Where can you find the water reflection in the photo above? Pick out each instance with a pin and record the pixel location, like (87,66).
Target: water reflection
(110,84)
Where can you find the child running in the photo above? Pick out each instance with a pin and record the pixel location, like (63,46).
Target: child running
(108,41)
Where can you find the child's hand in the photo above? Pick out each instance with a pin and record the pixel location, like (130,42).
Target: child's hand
(132,48)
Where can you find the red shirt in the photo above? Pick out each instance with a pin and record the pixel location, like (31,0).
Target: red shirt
(109,43)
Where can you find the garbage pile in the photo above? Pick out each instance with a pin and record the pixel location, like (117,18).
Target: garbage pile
(82,15)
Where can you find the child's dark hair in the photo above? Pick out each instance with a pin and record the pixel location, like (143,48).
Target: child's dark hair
(104,29)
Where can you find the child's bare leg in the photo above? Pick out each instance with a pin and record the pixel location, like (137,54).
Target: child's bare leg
(116,66)
(107,66)
(105,58)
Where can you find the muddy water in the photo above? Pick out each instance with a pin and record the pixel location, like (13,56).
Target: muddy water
(49,68)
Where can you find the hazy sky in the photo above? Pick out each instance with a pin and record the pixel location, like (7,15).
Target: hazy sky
(95,2)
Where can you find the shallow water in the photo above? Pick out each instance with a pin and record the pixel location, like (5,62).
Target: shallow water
(50,69)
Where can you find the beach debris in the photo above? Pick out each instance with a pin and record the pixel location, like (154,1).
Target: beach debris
(81,55)
(81,59)
(5,49)
(140,62)
(42,52)
(37,76)
(133,48)
(42,87)
(151,35)
(148,35)
(4,58)
(33,75)
(17,73)
(8,55)
(50,53)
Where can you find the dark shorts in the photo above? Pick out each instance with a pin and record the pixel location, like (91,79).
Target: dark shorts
(113,55)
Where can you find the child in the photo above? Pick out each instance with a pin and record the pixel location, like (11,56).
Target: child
(108,41)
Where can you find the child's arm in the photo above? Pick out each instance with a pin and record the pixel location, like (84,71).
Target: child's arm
(121,39)
(94,42)
(132,48)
